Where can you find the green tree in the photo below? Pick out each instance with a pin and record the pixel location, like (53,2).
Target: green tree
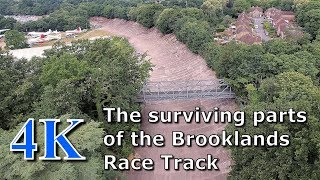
(66,66)
(302,62)
(15,39)
(6,7)
(78,80)
(298,3)
(146,14)
(11,76)
(167,19)
(313,21)
(7,23)
(239,64)
(121,12)
(87,140)
(92,8)
(307,16)
(300,160)
(214,5)
(278,46)
(195,35)
(192,13)
(105,73)
(240,6)
(182,3)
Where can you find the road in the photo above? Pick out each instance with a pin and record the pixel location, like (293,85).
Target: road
(260,30)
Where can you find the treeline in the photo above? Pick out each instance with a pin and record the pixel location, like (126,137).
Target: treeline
(63,15)
(45,7)
(308,16)
(192,26)
(29,7)
(276,76)
(71,15)
(36,7)
(65,18)
(219,14)
(242,65)
(70,82)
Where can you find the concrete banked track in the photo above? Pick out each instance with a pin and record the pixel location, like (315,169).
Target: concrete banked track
(173,61)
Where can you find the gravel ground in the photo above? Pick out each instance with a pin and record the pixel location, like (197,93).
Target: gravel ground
(2,43)
(28,53)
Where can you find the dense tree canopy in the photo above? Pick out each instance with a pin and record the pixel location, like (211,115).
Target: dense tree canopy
(182,3)
(146,14)
(195,35)
(243,64)
(300,160)
(7,23)
(90,133)
(308,16)
(15,39)
(74,81)
(240,6)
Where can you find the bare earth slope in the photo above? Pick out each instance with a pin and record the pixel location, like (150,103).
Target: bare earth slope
(173,61)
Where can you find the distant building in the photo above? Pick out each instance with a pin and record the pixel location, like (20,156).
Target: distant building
(283,22)
(249,38)
(271,12)
(288,15)
(244,17)
(256,12)
(244,30)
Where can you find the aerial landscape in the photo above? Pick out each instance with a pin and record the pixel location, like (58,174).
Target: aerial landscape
(70,59)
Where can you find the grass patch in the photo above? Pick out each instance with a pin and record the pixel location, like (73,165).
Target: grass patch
(270,29)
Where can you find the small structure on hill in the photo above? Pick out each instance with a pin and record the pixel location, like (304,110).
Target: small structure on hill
(249,38)
(251,28)
(244,30)
(256,12)
(283,22)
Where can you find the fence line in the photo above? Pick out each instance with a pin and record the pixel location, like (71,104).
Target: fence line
(203,89)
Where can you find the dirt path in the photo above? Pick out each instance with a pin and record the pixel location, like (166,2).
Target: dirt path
(28,53)
(173,61)
(2,43)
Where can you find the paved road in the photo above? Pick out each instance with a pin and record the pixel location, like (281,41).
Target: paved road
(260,30)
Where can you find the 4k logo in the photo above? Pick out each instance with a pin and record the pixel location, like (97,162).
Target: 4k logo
(51,140)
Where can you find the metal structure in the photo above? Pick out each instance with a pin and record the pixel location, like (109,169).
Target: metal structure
(172,90)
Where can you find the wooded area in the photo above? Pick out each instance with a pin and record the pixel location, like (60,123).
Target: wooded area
(72,81)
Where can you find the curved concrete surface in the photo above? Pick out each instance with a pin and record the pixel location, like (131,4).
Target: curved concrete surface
(28,53)
(173,61)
